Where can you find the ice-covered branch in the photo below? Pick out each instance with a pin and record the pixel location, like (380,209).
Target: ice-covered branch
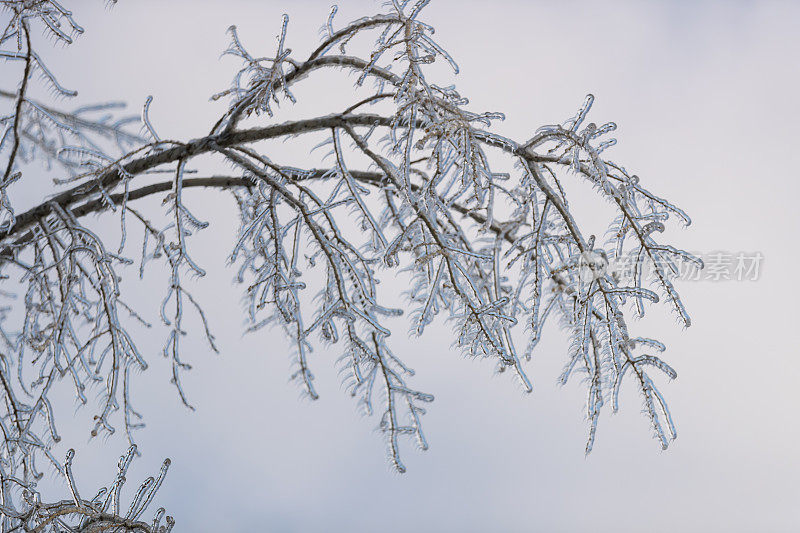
(30,512)
(495,253)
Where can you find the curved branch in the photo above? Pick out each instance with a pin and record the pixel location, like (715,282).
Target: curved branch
(113,175)
(20,99)
(302,71)
(358,25)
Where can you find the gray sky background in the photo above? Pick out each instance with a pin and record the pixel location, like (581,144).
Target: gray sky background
(705,96)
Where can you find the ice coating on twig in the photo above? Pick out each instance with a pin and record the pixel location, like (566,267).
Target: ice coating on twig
(495,253)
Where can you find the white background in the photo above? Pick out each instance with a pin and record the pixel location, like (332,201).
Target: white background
(705,95)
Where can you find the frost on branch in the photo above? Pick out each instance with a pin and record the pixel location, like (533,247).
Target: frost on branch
(405,184)
(23,508)
(77,141)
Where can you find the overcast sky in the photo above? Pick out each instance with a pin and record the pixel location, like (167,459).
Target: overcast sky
(705,96)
